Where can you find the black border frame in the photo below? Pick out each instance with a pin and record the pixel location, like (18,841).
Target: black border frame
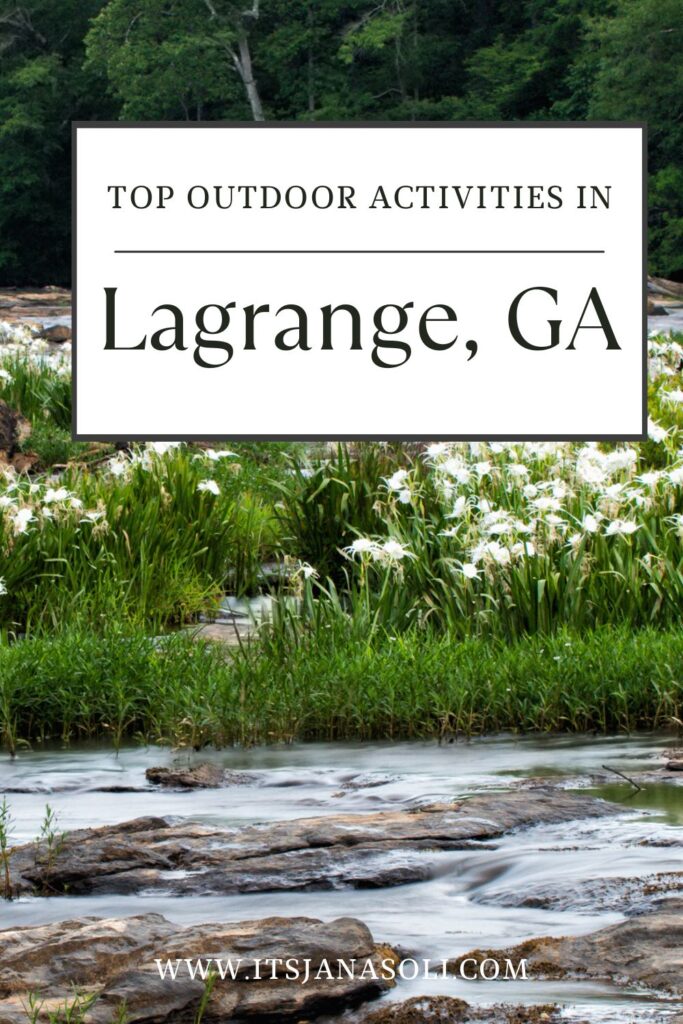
(372,125)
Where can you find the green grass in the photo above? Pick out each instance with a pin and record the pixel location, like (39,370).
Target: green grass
(335,685)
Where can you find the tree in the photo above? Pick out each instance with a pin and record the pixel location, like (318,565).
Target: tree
(42,88)
(164,57)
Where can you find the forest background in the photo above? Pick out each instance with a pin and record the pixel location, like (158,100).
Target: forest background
(322,60)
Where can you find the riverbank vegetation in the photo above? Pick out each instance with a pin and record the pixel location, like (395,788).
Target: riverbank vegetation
(410,587)
(342,60)
(335,684)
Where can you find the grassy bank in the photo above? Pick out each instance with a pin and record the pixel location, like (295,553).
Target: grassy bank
(335,685)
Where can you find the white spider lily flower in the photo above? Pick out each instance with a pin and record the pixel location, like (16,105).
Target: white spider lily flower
(6,501)
(469,571)
(656,432)
(93,516)
(214,456)
(393,550)
(7,378)
(308,572)
(118,467)
(621,527)
(517,470)
(3,586)
(362,546)
(20,521)
(547,504)
(676,475)
(590,523)
(436,450)
(404,496)
(397,481)
(209,485)
(651,479)
(52,495)
(459,508)
(162,447)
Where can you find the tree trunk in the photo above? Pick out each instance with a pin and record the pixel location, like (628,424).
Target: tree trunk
(243,64)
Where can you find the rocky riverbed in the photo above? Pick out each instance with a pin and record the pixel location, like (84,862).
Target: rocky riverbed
(498,850)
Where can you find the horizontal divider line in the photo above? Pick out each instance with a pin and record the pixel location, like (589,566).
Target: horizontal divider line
(355,252)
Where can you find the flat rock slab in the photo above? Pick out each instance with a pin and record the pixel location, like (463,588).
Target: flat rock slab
(200,776)
(361,850)
(645,950)
(629,895)
(446,1010)
(115,961)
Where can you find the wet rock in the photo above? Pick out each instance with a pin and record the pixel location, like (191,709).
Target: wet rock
(654,309)
(646,951)
(361,850)
(660,286)
(115,960)
(446,1010)
(200,776)
(58,333)
(14,429)
(675,766)
(633,895)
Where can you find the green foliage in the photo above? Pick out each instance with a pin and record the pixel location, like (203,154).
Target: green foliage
(42,88)
(324,506)
(147,545)
(335,684)
(37,390)
(6,823)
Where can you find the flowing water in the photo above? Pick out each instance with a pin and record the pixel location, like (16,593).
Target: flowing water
(473,897)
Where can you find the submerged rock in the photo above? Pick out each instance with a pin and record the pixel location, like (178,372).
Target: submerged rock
(446,1010)
(645,950)
(200,776)
(627,895)
(361,850)
(114,962)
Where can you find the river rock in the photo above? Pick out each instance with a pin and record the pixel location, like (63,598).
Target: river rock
(627,895)
(360,850)
(200,776)
(14,429)
(57,333)
(645,950)
(115,960)
(446,1010)
(654,309)
(675,766)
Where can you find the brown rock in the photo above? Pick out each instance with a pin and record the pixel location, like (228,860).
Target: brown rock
(674,766)
(647,950)
(201,776)
(654,309)
(58,333)
(14,428)
(115,960)
(361,850)
(660,286)
(446,1010)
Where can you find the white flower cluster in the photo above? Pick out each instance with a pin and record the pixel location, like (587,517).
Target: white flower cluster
(23,504)
(389,552)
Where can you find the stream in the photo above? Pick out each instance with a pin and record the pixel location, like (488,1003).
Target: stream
(472,900)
